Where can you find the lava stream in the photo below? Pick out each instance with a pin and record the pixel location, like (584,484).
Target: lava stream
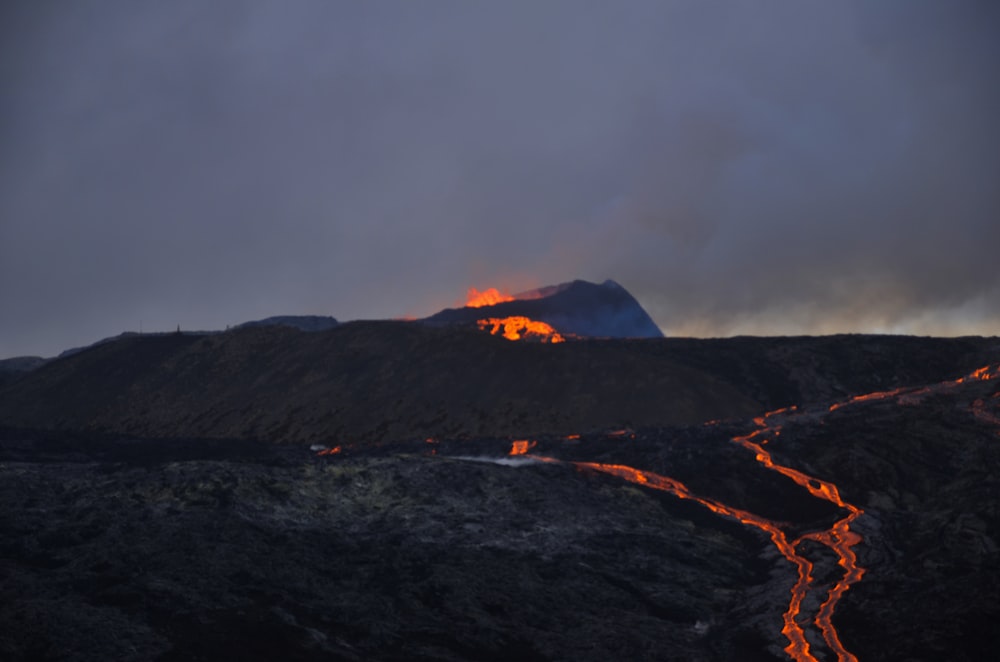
(912,395)
(839,537)
(798,647)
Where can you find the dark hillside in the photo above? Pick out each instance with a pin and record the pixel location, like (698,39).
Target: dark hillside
(364,381)
(382,381)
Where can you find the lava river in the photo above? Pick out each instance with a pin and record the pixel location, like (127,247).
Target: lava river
(839,538)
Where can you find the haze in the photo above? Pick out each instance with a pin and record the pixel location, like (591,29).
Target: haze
(766,168)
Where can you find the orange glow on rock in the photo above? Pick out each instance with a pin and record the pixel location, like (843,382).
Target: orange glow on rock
(330,451)
(867,397)
(519,328)
(490,297)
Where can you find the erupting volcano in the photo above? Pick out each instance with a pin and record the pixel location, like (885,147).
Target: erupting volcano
(514,327)
(571,310)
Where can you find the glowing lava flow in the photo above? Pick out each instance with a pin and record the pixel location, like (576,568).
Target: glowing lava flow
(912,395)
(838,537)
(518,328)
(798,647)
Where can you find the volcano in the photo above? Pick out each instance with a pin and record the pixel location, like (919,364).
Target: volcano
(574,309)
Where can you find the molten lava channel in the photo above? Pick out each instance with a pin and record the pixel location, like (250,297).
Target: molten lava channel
(798,647)
(839,537)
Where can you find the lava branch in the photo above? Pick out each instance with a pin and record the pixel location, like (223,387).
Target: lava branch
(839,537)
(798,647)
(912,395)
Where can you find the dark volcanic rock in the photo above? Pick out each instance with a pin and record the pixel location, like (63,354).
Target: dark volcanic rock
(578,308)
(401,557)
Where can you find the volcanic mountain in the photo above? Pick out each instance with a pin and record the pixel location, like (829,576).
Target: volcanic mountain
(430,491)
(577,308)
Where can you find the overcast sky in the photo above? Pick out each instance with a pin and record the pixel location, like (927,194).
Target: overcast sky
(741,167)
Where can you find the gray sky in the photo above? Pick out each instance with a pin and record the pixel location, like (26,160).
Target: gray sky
(741,167)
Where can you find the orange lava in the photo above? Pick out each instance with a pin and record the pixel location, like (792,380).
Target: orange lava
(982,374)
(913,395)
(490,297)
(987,411)
(521,446)
(838,538)
(330,451)
(518,328)
(798,647)
(878,395)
